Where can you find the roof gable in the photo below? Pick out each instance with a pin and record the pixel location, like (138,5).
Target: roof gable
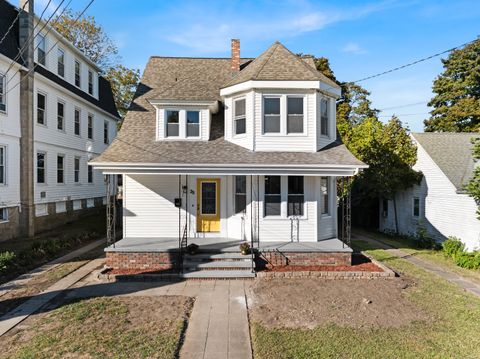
(451,152)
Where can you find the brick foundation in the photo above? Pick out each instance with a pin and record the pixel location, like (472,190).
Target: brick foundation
(140,260)
(276,259)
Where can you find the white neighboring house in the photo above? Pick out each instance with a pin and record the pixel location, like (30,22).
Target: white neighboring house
(439,203)
(230,149)
(75,119)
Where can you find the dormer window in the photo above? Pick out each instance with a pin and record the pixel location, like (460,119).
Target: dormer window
(193,123)
(324,117)
(271,121)
(173,125)
(294,114)
(239,125)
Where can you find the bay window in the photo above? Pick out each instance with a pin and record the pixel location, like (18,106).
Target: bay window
(324,111)
(271,111)
(296,196)
(273,196)
(294,114)
(239,120)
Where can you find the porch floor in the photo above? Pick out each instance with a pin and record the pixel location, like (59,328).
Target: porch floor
(218,244)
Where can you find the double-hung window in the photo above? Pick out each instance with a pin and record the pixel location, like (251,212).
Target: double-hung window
(76,125)
(3,95)
(324,187)
(41,52)
(76,170)
(77,73)
(193,123)
(60,116)
(106,136)
(90,82)
(41,157)
(296,196)
(60,169)
(90,126)
(239,120)
(271,113)
(89,174)
(416,207)
(173,123)
(294,114)
(3,161)
(273,196)
(240,194)
(60,62)
(324,117)
(41,108)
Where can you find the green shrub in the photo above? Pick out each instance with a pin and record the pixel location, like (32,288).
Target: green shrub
(6,259)
(469,260)
(452,247)
(423,240)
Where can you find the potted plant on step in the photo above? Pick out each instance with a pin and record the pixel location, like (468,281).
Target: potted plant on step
(245,248)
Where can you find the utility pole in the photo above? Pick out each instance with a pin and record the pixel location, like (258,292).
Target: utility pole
(27,209)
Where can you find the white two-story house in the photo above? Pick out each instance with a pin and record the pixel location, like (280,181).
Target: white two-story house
(75,119)
(226,150)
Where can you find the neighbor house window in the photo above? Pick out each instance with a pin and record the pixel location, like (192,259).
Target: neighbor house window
(324,117)
(105,133)
(239,120)
(3,95)
(41,49)
(89,174)
(77,73)
(41,108)
(416,206)
(90,82)
(273,197)
(271,120)
(76,170)
(41,167)
(240,194)
(90,126)
(60,116)
(60,62)
(385,207)
(60,169)
(3,160)
(3,214)
(294,114)
(296,196)
(76,119)
(193,123)
(325,195)
(172,123)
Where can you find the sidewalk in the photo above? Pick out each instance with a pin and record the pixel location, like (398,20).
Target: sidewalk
(462,282)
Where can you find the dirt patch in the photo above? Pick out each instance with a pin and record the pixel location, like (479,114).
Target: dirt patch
(308,303)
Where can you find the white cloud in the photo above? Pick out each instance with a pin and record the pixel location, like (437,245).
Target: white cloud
(354,48)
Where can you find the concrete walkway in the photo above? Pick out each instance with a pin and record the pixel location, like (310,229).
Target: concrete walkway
(455,278)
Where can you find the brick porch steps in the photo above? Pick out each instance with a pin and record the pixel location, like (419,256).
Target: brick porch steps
(216,257)
(218,274)
(217,266)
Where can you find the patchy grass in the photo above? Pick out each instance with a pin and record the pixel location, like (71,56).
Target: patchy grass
(104,328)
(452,331)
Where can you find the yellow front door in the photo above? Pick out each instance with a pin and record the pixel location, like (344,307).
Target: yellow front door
(208,205)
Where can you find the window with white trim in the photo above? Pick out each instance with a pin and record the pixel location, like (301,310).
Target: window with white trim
(90,126)
(76,119)
(416,207)
(240,194)
(77,74)
(239,118)
(324,112)
(41,51)
(271,114)
(60,169)
(60,116)
(3,161)
(41,108)
(273,196)
(325,188)
(90,82)
(296,196)
(3,95)
(193,123)
(76,170)
(3,214)
(41,165)
(60,62)
(173,123)
(294,114)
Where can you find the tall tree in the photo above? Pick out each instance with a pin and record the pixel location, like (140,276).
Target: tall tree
(456,104)
(90,38)
(473,187)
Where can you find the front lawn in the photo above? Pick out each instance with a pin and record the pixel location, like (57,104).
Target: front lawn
(121,327)
(446,324)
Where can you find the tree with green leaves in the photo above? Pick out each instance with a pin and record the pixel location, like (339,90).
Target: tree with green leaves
(473,186)
(90,38)
(456,104)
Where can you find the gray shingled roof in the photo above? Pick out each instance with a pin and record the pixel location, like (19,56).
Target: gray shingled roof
(173,78)
(278,63)
(452,152)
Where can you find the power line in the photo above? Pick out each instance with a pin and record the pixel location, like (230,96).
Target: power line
(14,21)
(404,114)
(53,46)
(403,106)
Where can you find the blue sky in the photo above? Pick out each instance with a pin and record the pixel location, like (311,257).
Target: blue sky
(360,38)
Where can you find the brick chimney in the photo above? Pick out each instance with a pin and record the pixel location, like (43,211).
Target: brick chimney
(235,65)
